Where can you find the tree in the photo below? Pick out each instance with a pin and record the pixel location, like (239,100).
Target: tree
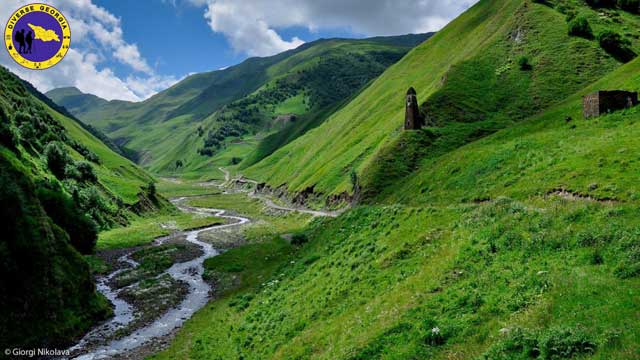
(151,189)
(616,45)
(524,64)
(632,6)
(57,158)
(82,231)
(579,26)
(8,136)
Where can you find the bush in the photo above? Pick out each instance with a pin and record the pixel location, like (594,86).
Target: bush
(151,189)
(523,63)
(8,136)
(579,26)
(602,3)
(299,239)
(554,343)
(82,231)
(616,45)
(632,6)
(57,158)
(81,171)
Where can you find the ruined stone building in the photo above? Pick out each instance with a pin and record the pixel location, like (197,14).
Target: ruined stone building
(413,120)
(602,102)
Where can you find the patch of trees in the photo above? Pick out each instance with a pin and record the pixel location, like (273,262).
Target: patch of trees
(632,6)
(215,138)
(27,128)
(610,41)
(616,45)
(82,231)
(334,78)
(64,167)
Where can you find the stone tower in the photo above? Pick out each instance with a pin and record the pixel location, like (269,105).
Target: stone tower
(412,117)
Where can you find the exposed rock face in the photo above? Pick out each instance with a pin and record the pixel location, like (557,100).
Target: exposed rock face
(283,120)
(602,102)
(413,120)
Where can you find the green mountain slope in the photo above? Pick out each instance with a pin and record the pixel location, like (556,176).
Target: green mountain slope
(194,119)
(469,78)
(480,256)
(59,186)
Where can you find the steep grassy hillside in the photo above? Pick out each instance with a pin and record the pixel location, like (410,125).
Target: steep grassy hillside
(558,150)
(59,186)
(305,88)
(180,129)
(106,184)
(472,83)
(481,256)
(47,296)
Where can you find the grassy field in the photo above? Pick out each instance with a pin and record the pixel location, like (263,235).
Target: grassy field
(175,187)
(144,230)
(267,222)
(587,157)
(374,283)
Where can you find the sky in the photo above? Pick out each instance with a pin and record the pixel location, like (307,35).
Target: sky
(131,50)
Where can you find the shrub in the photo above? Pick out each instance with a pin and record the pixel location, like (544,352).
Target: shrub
(632,6)
(602,3)
(299,239)
(8,136)
(554,343)
(82,231)
(564,343)
(523,63)
(579,26)
(151,189)
(57,158)
(616,45)
(235,160)
(81,171)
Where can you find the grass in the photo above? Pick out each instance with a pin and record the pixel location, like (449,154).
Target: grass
(293,105)
(468,76)
(587,157)
(144,230)
(164,128)
(266,224)
(465,250)
(374,283)
(175,187)
(116,173)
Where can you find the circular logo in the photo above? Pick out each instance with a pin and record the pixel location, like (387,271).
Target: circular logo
(37,36)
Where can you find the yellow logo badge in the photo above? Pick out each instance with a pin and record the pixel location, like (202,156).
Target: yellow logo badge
(37,36)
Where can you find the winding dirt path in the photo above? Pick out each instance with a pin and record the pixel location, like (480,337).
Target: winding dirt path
(269,202)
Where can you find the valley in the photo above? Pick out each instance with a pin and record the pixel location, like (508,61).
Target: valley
(159,283)
(467,194)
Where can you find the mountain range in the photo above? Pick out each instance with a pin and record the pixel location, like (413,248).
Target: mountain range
(506,227)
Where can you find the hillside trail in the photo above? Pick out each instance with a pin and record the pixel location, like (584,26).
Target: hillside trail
(270,203)
(189,272)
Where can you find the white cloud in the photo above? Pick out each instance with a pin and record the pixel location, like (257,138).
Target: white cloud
(251,25)
(97,38)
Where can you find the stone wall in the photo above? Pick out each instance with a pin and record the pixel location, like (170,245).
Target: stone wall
(603,102)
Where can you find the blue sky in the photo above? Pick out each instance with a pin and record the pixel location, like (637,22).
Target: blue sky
(130,50)
(186,44)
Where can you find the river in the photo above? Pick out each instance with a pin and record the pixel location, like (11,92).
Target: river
(189,272)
